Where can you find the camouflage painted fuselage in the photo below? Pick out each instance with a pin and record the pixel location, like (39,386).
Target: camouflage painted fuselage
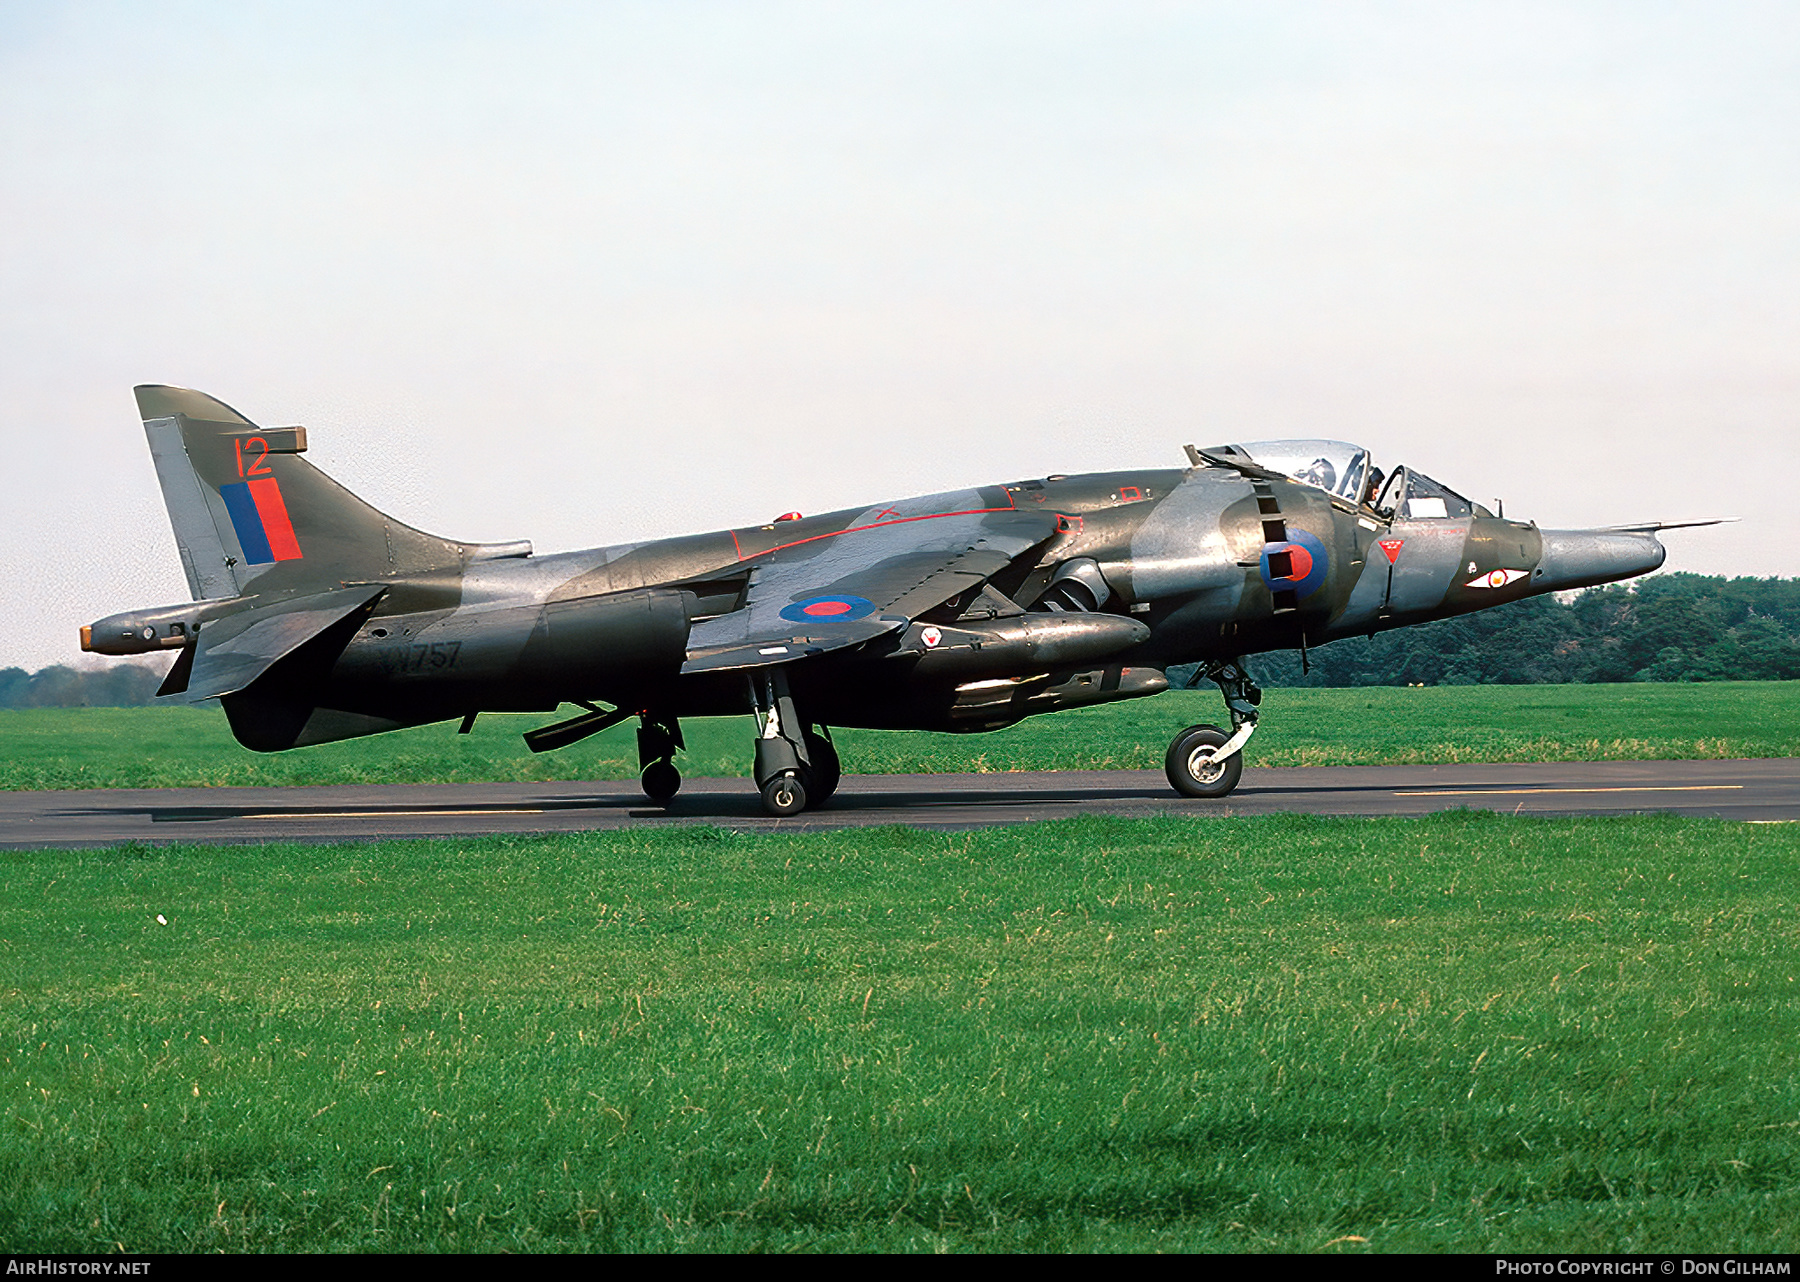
(318,618)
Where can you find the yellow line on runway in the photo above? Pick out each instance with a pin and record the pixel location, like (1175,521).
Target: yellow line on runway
(1518,792)
(383,814)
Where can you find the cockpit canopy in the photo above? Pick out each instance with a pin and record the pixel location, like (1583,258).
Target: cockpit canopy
(1413,496)
(1346,471)
(1337,467)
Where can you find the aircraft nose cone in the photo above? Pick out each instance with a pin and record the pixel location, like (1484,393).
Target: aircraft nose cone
(1583,558)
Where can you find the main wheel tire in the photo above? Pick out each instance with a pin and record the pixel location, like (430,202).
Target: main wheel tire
(661,781)
(826,770)
(1191,768)
(784,795)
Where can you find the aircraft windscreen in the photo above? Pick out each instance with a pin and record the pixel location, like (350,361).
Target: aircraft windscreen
(1337,467)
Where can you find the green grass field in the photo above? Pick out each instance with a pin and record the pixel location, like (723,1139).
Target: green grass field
(1469,1032)
(169,747)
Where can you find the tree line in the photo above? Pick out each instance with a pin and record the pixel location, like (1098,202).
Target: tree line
(1671,627)
(123,685)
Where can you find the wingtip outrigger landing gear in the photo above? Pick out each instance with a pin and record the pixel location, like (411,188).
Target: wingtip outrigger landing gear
(1203,761)
(796,763)
(827,770)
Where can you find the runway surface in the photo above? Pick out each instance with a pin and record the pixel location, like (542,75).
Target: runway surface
(1760,791)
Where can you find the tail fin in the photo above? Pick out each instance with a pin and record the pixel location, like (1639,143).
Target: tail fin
(248,509)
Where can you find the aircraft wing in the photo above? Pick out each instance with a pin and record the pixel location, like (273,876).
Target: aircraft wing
(839,590)
(234,651)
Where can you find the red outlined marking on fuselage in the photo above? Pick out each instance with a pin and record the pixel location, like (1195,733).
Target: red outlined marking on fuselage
(872,525)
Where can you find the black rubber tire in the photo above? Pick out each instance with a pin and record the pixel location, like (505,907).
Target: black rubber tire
(1190,772)
(822,779)
(784,796)
(661,781)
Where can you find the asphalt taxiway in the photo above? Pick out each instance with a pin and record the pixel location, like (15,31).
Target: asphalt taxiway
(1757,791)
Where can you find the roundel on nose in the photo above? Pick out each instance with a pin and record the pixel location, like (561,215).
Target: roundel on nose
(1299,565)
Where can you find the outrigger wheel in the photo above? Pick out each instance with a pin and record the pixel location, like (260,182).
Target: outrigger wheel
(784,795)
(822,778)
(1205,761)
(791,791)
(795,766)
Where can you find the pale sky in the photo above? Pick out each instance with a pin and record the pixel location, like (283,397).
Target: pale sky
(591,273)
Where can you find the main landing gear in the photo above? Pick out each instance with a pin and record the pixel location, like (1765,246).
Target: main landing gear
(797,765)
(658,738)
(1204,761)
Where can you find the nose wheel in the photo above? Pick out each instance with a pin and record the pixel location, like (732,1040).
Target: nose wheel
(1195,768)
(1205,761)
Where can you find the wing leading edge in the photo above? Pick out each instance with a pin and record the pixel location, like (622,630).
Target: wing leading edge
(845,589)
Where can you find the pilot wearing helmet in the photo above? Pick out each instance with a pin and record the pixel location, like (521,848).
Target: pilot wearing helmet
(1320,473)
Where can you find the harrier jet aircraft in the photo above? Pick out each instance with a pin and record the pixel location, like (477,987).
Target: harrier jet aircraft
(315,617)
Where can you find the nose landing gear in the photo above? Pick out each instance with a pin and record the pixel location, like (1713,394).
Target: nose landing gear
(1203,761)
(1195,767)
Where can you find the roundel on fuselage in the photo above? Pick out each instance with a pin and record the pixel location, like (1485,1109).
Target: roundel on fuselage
(1298,565)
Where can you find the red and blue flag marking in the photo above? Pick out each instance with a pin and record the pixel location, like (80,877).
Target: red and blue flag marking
(260,518)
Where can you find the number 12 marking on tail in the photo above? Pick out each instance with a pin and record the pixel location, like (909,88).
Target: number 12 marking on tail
(259,465)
